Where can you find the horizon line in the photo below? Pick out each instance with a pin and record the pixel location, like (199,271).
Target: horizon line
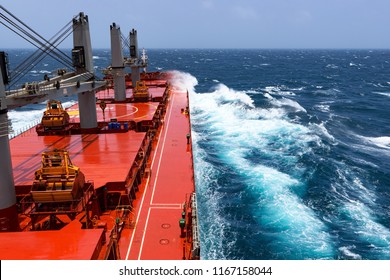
(221,48)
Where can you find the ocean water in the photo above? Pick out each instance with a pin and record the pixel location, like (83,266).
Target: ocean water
(291,148)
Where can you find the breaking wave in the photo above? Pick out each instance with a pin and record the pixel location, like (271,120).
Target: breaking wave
(246,168)
(268,184)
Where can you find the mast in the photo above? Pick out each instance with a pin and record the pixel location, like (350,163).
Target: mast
(83,62)
(135,73)
(8,211)
(117,65)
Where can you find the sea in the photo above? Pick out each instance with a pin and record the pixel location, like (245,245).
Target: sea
(291,147)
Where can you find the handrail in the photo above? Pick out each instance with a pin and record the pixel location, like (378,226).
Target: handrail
(12,134)
(195,228)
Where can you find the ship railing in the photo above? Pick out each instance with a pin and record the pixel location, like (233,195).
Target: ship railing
(194,238)
(191,248)
(112,252)
(112,249)
(13,133)
(123,217)
(125,214)
(195,228)
(137,170)
(27,205)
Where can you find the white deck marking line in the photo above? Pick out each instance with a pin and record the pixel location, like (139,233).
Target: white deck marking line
(143,235)
(146,225)
(138,214)
(162,149)
(166,206)
(157,172)
(147,185)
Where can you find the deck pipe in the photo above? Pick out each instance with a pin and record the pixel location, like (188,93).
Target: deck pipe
(117,63)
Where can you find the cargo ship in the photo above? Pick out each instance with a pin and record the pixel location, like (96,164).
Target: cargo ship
(110,177)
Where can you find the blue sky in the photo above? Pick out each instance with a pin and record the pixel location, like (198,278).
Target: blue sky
(214,23)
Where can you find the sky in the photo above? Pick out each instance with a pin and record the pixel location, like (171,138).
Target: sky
(213,23)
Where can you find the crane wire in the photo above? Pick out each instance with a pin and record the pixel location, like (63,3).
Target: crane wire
(44,47)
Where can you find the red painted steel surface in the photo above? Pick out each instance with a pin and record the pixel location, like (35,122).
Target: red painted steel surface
(157,235)
(119,111)
(107,158)
(101,157)
(75,244)
(153,91)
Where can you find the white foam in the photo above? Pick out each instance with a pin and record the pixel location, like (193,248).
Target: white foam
(383,93)
(281,90)
(321,130)
(272,89)
(356,215)
(347,251)
(211,224)
(184,81)
(366,228)
(349,186)
(40,72)
(323,108)
(290,103)
(23,120)
(332,66)
(286,93)
(253,91)
(225,94)
(284,211)
(228,120)
(268,96)
(327,92)
(364,162)
(381,142)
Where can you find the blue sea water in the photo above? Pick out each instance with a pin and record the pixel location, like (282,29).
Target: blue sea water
(291,149)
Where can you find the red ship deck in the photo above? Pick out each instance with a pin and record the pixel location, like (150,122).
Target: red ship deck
(102,157)
(105,158)
(119,111)
(157,235)
(75,244)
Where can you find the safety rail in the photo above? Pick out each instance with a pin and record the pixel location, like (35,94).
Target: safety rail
(195,228)
(13,133)
(190,228)
(122,218)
